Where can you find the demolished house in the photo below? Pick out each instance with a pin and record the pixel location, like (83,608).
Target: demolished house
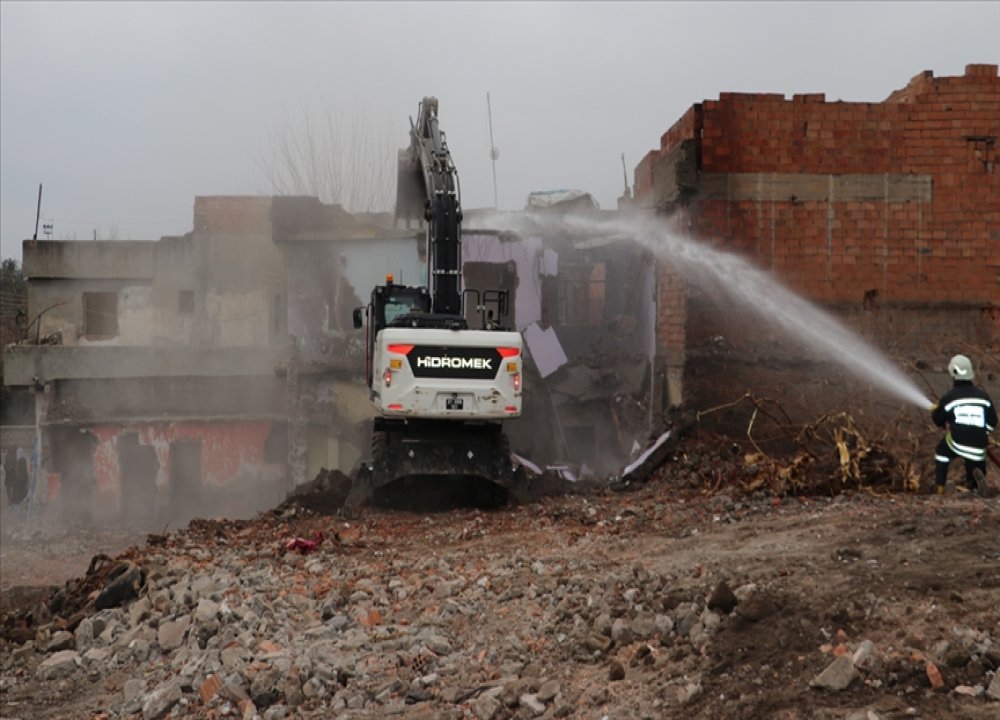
(209,373)
(152,369)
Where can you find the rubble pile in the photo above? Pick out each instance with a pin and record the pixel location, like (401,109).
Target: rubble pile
(570,607)
(831,455)
(325,493)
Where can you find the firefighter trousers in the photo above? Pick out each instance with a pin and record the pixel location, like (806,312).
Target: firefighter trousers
(943,455)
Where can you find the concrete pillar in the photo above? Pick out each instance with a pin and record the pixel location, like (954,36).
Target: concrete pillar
(40,450)
(671,339)
(298,436)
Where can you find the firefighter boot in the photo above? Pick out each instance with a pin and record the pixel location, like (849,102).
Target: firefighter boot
(980,479)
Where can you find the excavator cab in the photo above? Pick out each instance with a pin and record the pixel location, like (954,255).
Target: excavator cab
(390,302)
(390,305)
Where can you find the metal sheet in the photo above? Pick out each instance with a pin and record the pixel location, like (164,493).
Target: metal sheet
(546,350)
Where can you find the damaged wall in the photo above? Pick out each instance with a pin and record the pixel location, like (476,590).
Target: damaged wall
(221,285)
(231,468)
(586,310)
(333,260)
(874,210)
(163,353)
(333,265)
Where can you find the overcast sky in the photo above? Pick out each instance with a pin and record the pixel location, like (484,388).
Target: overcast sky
(127,111)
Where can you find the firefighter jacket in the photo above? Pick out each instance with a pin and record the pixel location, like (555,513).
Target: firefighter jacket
(970,416)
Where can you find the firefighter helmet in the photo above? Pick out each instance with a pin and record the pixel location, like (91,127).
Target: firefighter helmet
(960,368)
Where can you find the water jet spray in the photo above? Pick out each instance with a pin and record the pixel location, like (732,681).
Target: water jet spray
(746,285)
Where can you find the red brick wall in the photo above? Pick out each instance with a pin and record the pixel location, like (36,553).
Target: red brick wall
(223,215)
(945,248)
(671,327)
(683,129)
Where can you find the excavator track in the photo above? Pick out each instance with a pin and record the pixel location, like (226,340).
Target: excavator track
(432,455)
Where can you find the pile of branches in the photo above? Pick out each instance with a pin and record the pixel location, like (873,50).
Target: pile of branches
(830,455)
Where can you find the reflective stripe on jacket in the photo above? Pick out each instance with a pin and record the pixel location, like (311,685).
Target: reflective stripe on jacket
(969,414)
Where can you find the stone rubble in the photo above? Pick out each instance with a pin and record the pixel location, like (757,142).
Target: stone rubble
(227,622)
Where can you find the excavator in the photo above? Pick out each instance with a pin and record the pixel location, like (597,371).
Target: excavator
(443,369)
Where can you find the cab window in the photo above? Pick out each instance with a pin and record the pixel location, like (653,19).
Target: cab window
(397,307)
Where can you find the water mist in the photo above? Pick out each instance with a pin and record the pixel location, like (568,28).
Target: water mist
(746,285)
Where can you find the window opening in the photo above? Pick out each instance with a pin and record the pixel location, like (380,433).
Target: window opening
(100,314)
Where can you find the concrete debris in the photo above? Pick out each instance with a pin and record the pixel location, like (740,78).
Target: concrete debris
(526,463)
(531,703)
(324,494)
(838,675)
(590,605)
(61,640)
(159,702)
(170,634)
(865,657)
(687,693)
(864,715)
(757,607)
(993,691)
(59,665)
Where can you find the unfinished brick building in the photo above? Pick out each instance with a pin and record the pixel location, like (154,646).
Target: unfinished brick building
(887,213)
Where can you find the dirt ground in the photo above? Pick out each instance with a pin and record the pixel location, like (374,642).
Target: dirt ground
(50,558)
(916,575)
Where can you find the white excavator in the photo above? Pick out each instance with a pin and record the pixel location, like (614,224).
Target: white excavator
(440,388)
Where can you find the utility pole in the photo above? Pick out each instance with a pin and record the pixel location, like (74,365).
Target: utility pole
(494,152)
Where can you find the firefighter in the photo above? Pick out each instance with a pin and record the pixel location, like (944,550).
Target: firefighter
(969,415)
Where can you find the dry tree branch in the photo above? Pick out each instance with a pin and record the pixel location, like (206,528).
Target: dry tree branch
(750,430)
(350,161)
(725,406)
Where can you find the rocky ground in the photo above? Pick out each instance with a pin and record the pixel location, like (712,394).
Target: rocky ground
(649,602)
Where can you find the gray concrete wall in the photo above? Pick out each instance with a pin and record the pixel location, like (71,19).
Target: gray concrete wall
(237,281)
(101,259)
(482,246)
(167,398)
(240,290)
(60,303)
(327,280)
(26,364)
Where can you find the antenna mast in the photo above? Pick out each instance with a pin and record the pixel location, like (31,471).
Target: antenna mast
(494,153)
(38,214)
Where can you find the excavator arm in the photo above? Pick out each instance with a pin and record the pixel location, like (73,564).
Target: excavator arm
(428,182)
